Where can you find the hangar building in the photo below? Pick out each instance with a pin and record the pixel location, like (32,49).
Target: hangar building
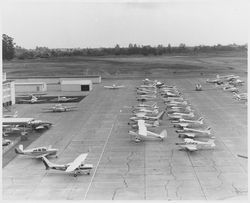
(8,94)
(30,87)
(76,85)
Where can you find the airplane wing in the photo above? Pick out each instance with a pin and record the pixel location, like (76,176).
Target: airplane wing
(142,128)
(77,162)
(41,155)
(140,114)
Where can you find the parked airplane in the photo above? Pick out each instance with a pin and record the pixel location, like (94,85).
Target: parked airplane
(11,115)
(227,77)
(60,108)
(37,152)
(77,166)
(40,125)
(64,99)
(206,131)
(144,110)
(143,133)
(114,86)
(189,123)
(187,109)
(6,142)
(192,135)
(33,100)
(179,116)
(230,89)
(143,105)
(154,118)
(236,82)
(241,96)
(151,124)
(194,145)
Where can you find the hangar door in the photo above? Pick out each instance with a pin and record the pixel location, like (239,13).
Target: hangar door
(84,87)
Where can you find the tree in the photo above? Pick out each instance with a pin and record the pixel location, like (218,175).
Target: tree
(7,47)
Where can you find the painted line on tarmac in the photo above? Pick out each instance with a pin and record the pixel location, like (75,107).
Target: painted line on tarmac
(104,147)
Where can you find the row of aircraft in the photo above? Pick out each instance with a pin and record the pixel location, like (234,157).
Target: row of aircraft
(182,116)
(230,83)
(146,115)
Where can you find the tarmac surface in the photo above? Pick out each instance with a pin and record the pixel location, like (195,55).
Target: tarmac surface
(125,170)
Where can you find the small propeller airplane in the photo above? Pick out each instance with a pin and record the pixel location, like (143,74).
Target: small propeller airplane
(172,99)
(37,152)
(148,107)
(64,99)
(198,87)
(182,125)
(230,89)
(77,166)
(6,142)
(114,87)
(148,124)
(201,131)
(11,115)
(236,82)
(144,110)
(187,109)
(60,108)
(177,116)
(33,100)
(143,133)
(40,125)
(194,145)
(154,118)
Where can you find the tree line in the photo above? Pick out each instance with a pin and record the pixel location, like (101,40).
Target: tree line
(10,50)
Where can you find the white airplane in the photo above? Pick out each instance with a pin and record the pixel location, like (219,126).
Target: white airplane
(11,115)
(11,129)
(236,82)
(194,145)
(6,142)
(151,124)
(227,77)
(142,114)
(241,96)
(230,89)
(33,100)
(170,94)
(187,109)
(171,99)
(200,120)
(77,166)
(193,135)
(114,87)
(176,103)
(179,116)
(37,152)
(185,130)
(40,125)
(153,118)
(189,123)
(143,133)
(144,110)
(60,108)
(147,96)
(64,99)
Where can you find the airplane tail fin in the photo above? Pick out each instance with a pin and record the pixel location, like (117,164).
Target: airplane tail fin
(19,149)
(160,115)
(46,162)
(163,134)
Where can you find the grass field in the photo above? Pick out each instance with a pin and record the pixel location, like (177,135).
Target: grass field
(132,66)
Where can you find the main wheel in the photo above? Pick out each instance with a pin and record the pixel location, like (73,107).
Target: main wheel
(75,175)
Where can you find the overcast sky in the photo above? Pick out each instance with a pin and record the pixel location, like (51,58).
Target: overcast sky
(75,23)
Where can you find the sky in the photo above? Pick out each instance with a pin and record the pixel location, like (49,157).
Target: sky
(103,23)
